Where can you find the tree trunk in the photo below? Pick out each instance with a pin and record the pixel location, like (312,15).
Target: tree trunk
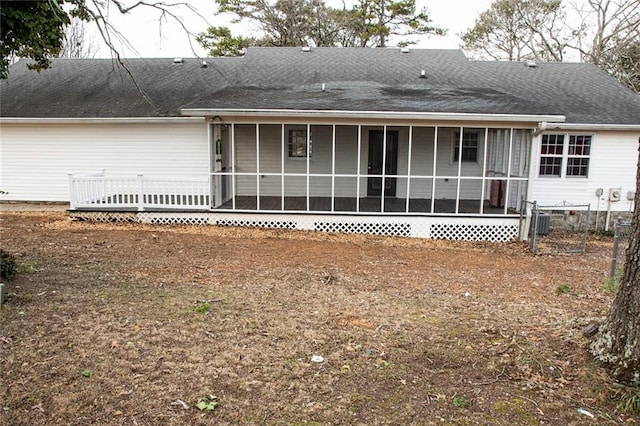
(618,342)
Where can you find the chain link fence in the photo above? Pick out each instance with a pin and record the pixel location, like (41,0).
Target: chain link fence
(554,229)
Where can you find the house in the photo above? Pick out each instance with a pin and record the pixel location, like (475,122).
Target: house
(386,141)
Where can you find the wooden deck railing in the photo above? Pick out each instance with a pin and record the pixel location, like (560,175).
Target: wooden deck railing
(137,193)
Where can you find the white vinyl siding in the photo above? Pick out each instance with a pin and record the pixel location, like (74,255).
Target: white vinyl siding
(613,158)
(35,158)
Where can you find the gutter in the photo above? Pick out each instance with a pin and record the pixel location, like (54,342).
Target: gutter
(99,120)
(208,112)
(546,126)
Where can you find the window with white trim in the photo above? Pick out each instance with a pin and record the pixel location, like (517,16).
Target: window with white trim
(469,147)
(298,143)
(578,155)
(564,155)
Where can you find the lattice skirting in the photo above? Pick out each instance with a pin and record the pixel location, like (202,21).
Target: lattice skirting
(447,228)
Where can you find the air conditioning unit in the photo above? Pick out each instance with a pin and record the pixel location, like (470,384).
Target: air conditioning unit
(544,224)
(631,195)
(615,194)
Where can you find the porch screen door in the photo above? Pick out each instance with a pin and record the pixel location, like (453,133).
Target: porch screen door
(376,144)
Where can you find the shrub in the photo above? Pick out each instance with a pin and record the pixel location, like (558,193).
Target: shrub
(8,267)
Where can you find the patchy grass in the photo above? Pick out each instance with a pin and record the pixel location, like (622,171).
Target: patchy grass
(170,319)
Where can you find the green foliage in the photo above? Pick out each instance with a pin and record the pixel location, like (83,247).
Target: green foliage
(563,289)
(87,373)
(31,29)
(220,42)
(202,308)
(27,267)
(8,266)
(460,401)
(35,30)
(208,403)
(312,23)
(611,285)
(630,401)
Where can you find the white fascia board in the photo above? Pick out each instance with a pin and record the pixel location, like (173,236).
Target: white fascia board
(440,116)
(547,127)
(98,120)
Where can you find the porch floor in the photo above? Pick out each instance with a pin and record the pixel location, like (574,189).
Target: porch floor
(367,204)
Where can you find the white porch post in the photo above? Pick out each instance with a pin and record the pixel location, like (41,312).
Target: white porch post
(333,168)
(308,163)
(359,165)
(460,142)
(435,164)
(484,169)
(217,147)
(384,166)
(257,166)
(409,168)
(72,192)
(282,141)
(140,192)
(508,187)
(233,166)
(533,170)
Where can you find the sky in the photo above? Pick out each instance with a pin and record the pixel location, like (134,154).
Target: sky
(151,38)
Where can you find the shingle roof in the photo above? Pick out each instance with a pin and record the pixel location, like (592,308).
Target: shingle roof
(355,79)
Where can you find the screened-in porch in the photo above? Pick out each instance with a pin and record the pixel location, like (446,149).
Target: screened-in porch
(362,169)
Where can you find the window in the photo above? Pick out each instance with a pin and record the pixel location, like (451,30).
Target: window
(551,155)
(469,147)
(298,143)
(578,156)
(561,159)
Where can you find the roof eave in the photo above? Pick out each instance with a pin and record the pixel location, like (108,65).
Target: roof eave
(396,115)
(98,120)
(550,126)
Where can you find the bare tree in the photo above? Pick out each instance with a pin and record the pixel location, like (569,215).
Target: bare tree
(603,32)
(518,30)
(77,42)
(610,38)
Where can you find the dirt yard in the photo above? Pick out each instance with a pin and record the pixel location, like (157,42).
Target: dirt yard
(127,324)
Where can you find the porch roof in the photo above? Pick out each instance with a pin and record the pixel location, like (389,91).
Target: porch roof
(356,80)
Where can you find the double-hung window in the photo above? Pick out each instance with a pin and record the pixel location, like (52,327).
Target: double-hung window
(298,144)
(578,155)
(469,147)
(564,155)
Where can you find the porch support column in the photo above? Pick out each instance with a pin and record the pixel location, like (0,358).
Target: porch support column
(359,165)
(506,191)
(308,162)
(233,166)
(409,168)
(460,141)
(533,167)
(215,148)
(258,166)
(384,166)
(484,169)
(212,197)
(333,168)
(435,164)
(282,168)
